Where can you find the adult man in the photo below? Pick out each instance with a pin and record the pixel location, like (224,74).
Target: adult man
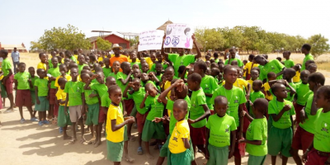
(118,57)
(15,57)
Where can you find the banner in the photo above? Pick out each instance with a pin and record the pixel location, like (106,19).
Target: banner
(178,36)
(151,40)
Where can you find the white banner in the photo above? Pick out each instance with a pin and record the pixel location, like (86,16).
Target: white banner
(151,40)
(178,36)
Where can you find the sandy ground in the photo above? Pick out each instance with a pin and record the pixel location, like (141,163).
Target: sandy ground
(29,143)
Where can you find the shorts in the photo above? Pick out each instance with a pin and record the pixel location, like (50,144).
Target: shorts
(164,151)
(75,113)
(237,150)
(52,96)
(183,158)
(218,155)
(152,130)
(246,121)
(23,98)
(125,134)
(248,76)
(63,119)
(55,110)
(302,139)
(44,104)
(9,84)
(297,108)
(256,160)
(115,151)
(102,115)
(281,140)
(198,135)
(3,91)
(313,158)
(140,120)
(93,114)
(129,105)
(33,97)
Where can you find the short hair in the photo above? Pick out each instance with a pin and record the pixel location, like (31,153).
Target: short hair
(181,69)
(149,86)
(325,90)
(265,55)
(228,67)
(308,47)
(123,64)
(113,88)
(279,58)
(276,86)
(305,72)
(170,68)
(220,99)
(261,105)
(291,71)
(21,63)
(61,80)
(40,54)
(181,102)
(259,82)
(215,55)
(317,78)
(67,53)
(31,67)
(311,65)
(40,70)
(287,52)
(251,56)
(110,78)
(4,52)
(195,77)
(201,65)
(216,70)
(271,74)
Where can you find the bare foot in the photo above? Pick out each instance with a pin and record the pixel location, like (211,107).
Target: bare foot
(82,140)
(66,137)
(150,156)
(97,143)
(73,140)
(128,159)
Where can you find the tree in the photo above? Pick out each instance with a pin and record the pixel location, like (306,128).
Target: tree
(68,38)
(209,38)
(103,44)
(319,45)
(133,41)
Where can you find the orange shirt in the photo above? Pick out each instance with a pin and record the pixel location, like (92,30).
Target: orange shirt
(121,59)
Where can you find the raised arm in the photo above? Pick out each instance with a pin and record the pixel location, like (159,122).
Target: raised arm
(199,55)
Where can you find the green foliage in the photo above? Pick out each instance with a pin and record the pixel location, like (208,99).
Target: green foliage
(319,45)
(256,39)
(103,44)
(68,38)
(133,41)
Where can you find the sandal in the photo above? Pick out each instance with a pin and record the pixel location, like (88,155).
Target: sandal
(140,151)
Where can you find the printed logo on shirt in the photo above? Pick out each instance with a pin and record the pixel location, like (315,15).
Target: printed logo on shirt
(325,128)
(175,139)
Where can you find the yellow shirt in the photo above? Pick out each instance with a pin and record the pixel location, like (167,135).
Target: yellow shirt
(296,78)
(248,66)
(167,85)
(241,83)
(267,88)
(67,77)
(181,131)
(61,95)
(115,112)
(100,59)
(42,66)
(251,83)
(149,61)
(130,60)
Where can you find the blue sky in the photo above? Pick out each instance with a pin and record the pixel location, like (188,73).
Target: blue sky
(26,20)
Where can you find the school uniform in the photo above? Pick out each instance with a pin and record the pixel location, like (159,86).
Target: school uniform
(303,92)
(5,66)
(92,106)
(74,89)
(23,94)
(42,85)
(141,114)
(100,89)
(63,119)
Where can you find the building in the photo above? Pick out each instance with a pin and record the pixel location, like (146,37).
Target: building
(113,38)
(20,47)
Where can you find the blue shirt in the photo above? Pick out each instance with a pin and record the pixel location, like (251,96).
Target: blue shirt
(15,56)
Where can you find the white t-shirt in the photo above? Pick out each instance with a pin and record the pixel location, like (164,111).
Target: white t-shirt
(15,56)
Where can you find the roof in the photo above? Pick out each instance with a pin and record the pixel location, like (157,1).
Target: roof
(12,46)
(94,38)
(163,27)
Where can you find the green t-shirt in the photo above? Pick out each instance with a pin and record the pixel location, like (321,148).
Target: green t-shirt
(106,71)
(239,62)
(275,107)
(5,66)
(42,85)
(55,72)
(138,97)
(302,92)
(272,66)
(156,108)
(180,60)
(322,132)
(256,95)
(309,124)
(90,100)
(235,97)
(50,64)
(220,129)
(257,130)
(209,85)
(288,63)
(80,67)
(153,68)
(294,86)
(105,100)
(169,106)
(111,74)
(307,57)
(101,89)
(74,89)
(197,100)
(33,80)
(121,76)
(73,59)
(22,80)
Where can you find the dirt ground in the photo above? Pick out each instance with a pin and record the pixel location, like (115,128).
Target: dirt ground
(29,143)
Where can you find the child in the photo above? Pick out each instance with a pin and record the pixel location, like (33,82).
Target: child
(115,69)
(63,119)
(199,111)
(63,70)
(179,141)
(236,101)
(33,78)
(288,74)
(256,135)
(220,128)
(115,126)
(256,94)
(82,63)
(304,134)
(23,95)
(68,55)
(270,76)
(43,64)
(280,132)
(41,91)
(232,57)
(312,68)
(54,72)
(302,90)
(305,49)
(267,67)
(254,75)
(248,67)
(319,149)
(152,129)
(208,83)
(106,69)
(144,67)
(8,78)
(75,101)
(296,78)
(288,63)
(137,94)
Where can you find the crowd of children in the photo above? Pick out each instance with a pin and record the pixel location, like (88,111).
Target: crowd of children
(180,103)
